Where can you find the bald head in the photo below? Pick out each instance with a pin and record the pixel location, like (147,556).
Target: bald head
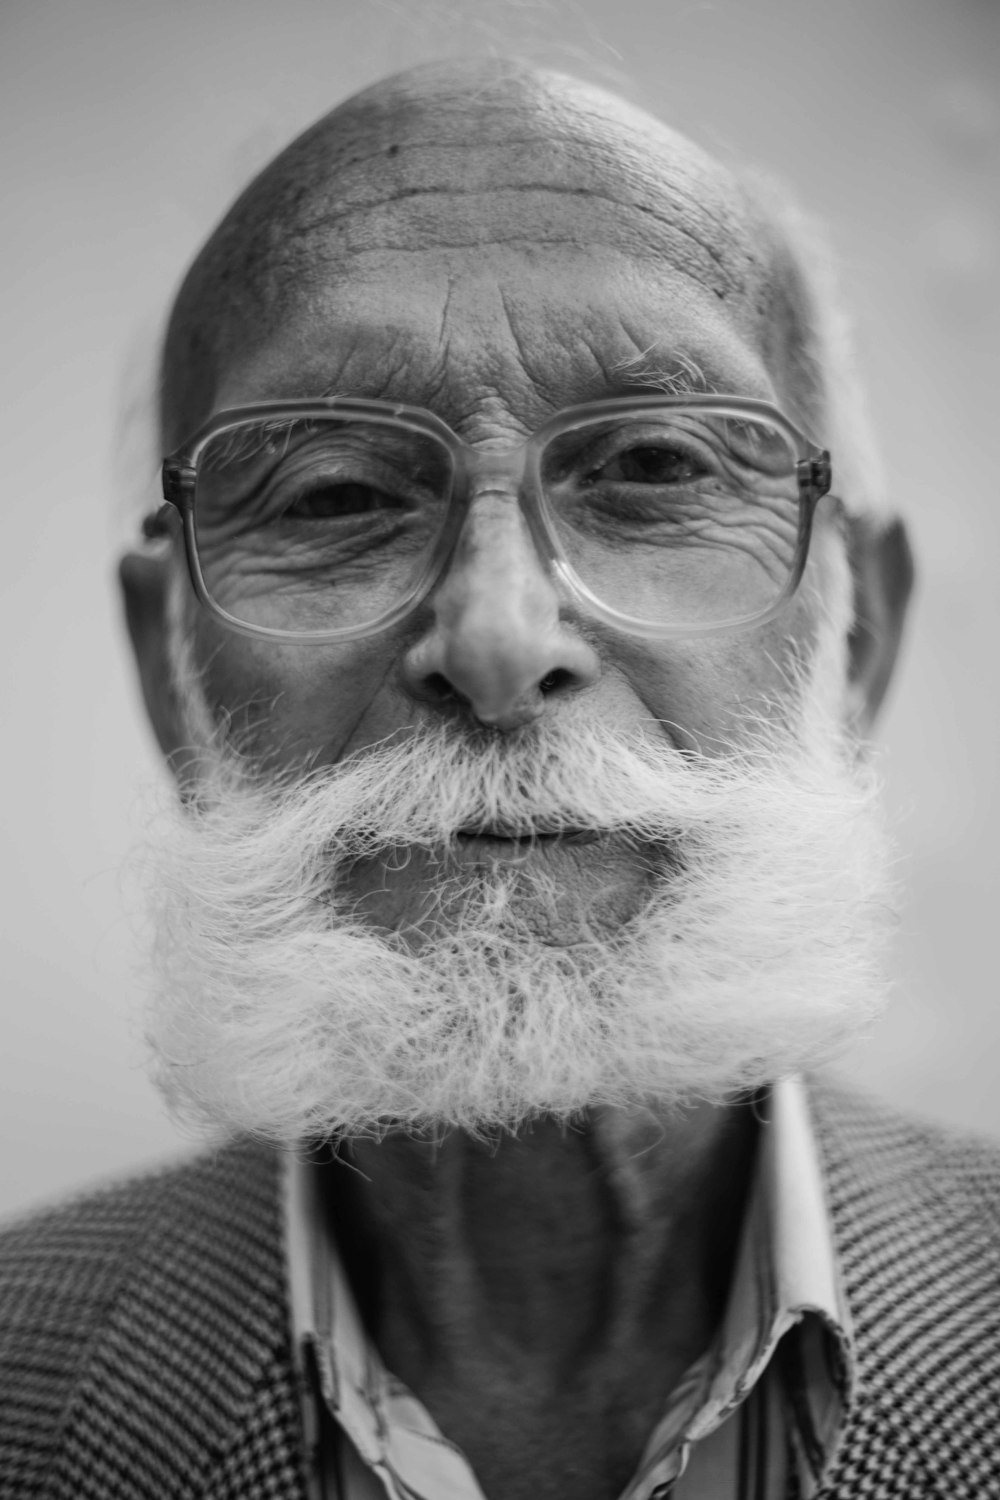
(458,159)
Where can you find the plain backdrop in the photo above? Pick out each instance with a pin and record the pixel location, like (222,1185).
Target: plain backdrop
(125,128)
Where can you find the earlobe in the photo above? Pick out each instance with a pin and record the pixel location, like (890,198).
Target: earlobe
(882,570)
(145,584)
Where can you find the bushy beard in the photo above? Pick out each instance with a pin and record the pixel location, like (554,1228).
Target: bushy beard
(282,1009)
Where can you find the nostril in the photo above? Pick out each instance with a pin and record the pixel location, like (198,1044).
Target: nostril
(438,687)
(552,681)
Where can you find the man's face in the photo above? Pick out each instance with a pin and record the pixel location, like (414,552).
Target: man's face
(347,953)
(494,276)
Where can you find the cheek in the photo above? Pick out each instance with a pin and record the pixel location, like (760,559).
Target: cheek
(291,705)
(711,693)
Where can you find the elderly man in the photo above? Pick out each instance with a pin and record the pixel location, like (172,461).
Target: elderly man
(512,649)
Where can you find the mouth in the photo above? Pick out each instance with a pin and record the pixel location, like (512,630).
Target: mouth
(501,842)
(525,837)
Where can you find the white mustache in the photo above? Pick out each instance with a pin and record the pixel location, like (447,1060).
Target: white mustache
(432,785)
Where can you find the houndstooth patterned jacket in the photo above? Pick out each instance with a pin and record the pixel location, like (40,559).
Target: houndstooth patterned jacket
(144,1346)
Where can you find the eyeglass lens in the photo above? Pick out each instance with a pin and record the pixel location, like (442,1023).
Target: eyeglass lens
(682,516)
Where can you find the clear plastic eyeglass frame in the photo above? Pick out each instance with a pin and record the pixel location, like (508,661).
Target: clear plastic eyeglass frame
(513,470)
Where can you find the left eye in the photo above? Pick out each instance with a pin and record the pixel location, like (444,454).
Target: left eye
(651,464)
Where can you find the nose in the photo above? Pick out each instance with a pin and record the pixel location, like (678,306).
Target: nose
(496,641)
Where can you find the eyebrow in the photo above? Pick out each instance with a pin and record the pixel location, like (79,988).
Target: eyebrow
(679,375)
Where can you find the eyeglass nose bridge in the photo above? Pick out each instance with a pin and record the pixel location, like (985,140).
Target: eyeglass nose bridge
(493,470)
(509,474)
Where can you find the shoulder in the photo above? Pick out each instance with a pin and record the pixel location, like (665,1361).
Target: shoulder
(872,1150)
(70,1273)
(83,1233)
(66,1260)
(60,1266)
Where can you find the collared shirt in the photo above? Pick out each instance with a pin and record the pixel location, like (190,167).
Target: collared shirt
(761,1408)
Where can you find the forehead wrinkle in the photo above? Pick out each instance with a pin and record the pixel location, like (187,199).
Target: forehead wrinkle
(585,165)
(506,196)
(410,137)
(396,378)
(725,274)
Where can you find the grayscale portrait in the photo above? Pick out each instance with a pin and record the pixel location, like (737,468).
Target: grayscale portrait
(500,631)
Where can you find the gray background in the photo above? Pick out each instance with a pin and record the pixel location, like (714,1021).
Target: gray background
(126,126)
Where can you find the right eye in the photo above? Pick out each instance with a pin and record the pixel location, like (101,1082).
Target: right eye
(339,501)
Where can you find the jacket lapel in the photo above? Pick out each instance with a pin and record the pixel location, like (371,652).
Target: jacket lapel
(915,1220)
(188,1385)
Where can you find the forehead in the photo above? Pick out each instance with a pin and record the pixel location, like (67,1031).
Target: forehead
(521,248)
(484,330)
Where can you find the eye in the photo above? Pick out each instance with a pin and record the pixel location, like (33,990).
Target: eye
(331,502)
(649,463)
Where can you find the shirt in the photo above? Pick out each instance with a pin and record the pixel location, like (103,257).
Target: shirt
(761,1408)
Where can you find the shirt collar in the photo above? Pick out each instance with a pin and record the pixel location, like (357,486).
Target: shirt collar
(786,1292)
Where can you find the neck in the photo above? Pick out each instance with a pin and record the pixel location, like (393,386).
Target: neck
(592,1259)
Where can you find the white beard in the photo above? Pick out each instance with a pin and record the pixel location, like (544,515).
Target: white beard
(280,1010)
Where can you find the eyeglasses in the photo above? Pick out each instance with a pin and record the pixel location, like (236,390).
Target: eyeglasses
(329,520)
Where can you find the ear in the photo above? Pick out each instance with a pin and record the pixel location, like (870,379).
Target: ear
(882,569)
(145,583)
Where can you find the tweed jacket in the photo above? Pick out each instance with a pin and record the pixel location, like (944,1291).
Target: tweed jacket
(144,1349)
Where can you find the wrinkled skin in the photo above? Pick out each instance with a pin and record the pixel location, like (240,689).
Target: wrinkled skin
(496,245)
